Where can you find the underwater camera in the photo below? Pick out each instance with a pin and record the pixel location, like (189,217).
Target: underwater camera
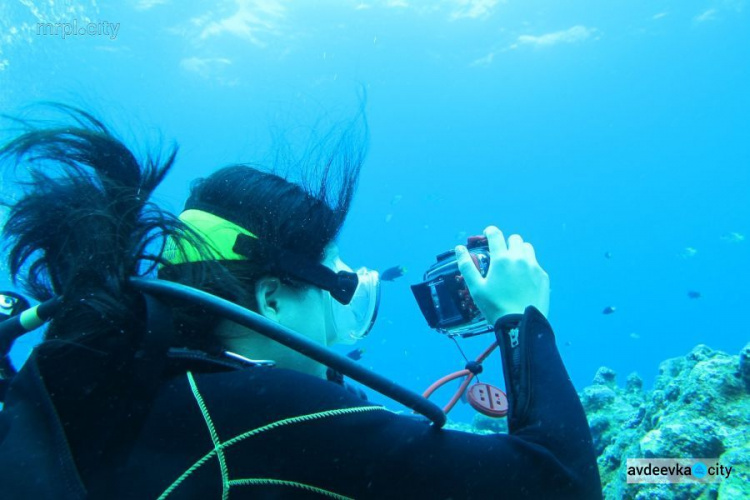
(444,298)
(447,306)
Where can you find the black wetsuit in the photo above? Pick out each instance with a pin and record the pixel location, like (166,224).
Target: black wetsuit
(273,433)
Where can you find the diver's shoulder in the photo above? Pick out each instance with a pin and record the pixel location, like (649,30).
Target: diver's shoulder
(261,386)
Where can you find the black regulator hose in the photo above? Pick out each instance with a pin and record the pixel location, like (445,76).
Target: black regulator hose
(32,318)
(295,341)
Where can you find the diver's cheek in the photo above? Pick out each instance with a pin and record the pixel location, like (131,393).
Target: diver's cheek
(315,321)
(326,321)
(330,331)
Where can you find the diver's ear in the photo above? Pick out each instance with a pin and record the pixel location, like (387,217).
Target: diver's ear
(267,294)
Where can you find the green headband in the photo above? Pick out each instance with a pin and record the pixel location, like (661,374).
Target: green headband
(219,236)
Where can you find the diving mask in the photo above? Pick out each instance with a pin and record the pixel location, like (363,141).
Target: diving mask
(355,297)
(353,321)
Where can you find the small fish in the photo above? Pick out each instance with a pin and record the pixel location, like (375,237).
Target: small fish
(689,253)
(607,255)
(392,273)
(396,199)
(356,354)
(609,310)
(733,237)
(635,336)
(388,218)
(694,295)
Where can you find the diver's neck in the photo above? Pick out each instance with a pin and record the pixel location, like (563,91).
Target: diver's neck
(251,344)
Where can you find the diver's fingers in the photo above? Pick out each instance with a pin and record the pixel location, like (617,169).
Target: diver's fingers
(515,247)
(529,253)
(468,269)
(495,242)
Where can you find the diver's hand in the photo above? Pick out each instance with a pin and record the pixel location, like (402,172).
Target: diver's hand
(514,280)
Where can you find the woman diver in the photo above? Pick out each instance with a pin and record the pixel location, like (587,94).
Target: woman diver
(133,394)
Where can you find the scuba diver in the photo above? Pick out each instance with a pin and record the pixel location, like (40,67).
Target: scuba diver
(213,381)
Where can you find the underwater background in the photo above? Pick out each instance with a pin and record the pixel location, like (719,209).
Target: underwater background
(614,136)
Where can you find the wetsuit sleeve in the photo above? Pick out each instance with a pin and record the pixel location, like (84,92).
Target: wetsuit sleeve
(544,408)
(547,453)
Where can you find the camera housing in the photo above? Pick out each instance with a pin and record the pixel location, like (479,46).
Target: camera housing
(445,300)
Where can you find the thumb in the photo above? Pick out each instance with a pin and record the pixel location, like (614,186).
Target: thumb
(467,268)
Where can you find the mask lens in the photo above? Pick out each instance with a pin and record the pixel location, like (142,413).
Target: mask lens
(354,321)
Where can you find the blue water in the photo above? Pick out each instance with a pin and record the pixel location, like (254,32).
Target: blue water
(585,127)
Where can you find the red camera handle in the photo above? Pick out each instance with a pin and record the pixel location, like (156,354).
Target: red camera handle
(485,398)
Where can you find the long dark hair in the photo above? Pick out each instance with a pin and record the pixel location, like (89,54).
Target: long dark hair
(84,224)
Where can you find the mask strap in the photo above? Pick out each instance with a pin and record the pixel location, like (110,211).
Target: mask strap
(341,285)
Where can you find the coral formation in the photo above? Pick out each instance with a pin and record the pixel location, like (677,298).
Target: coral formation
(699,408)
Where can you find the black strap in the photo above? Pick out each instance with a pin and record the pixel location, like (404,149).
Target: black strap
(149,365)
(341,285)
(151,358)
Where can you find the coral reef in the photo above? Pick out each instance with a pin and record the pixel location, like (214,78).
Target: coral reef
(699,407)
